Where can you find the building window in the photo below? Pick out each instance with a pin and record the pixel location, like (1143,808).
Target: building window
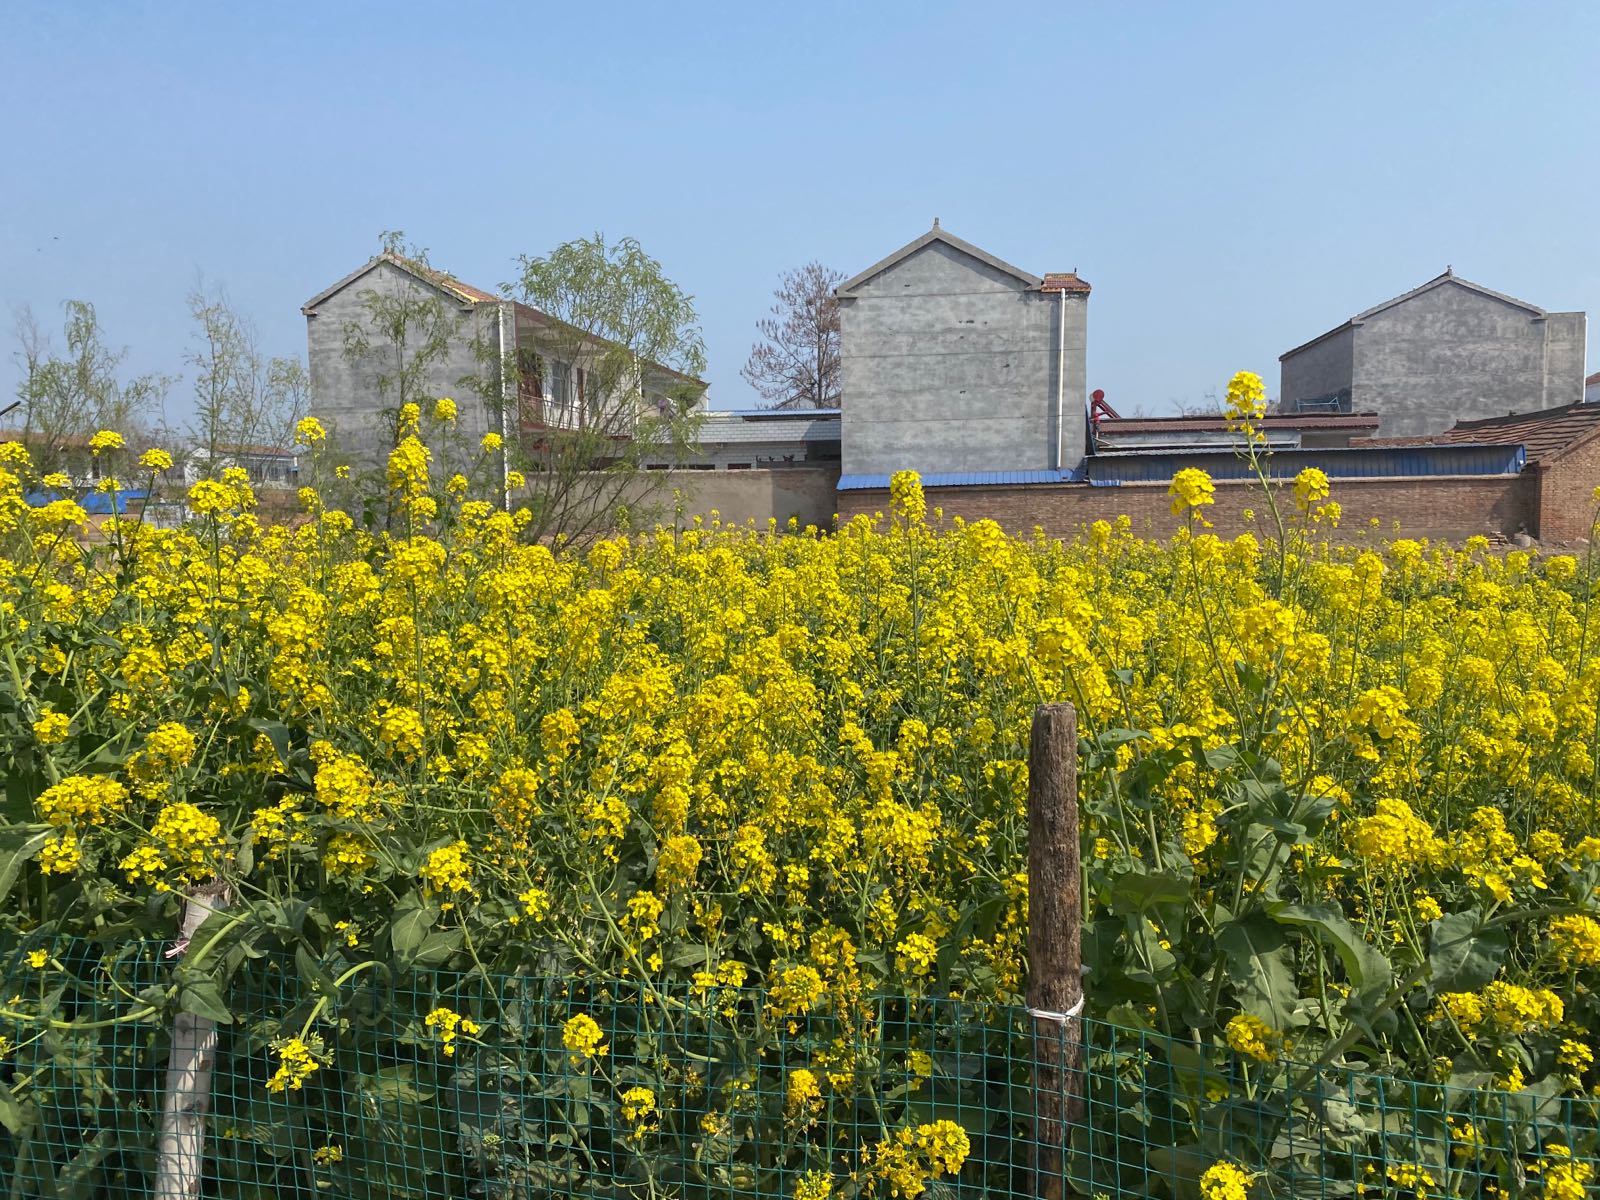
(738,466)
(558,387)
(593,396)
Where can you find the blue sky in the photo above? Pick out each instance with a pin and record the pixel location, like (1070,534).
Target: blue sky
(1233,178)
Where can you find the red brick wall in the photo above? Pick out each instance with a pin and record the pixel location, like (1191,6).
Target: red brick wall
(1449,507)
(1566,494)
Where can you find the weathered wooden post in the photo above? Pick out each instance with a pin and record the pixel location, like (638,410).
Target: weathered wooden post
(1055,943)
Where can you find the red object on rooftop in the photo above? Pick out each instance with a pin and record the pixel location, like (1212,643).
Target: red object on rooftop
(1099,409)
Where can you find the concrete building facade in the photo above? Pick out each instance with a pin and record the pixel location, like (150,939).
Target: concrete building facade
(1448,351)
(954,361)
(345,389)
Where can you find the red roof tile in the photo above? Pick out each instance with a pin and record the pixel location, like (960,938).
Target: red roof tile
(1545,435)
(1064,281)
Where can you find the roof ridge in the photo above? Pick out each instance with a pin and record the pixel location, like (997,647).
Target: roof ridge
(1534,414)
(937,234)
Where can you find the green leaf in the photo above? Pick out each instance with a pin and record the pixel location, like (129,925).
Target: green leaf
(203,998)
(11,1112)
(1256,959)
(312,971)
(212,938)
(687,954)
(1368,971)
(277,733)
(1462,954)
(1138,890)
(437,947)
(413,918)
(18,844)
(1180,1167)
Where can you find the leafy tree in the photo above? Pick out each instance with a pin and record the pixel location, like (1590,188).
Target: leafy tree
(67,397)
(796,364)
(242,398)
(605,384)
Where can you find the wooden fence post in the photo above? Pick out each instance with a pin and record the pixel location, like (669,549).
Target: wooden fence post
(1055,943)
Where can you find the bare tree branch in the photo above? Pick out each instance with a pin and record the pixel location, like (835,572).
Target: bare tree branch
(796,364)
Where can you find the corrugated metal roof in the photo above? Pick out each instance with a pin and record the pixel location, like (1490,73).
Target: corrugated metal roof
(849,483)
(95,503)
(1374,462)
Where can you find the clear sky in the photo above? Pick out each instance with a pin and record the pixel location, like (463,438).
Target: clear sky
(1233,178)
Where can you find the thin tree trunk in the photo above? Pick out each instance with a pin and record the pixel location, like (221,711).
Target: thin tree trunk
(187,1098)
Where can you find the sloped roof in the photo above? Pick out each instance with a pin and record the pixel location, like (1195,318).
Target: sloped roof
(933,235)
(462,293)
(1546,435)
(721,428)
(1064,281)
(1216,424)
(1592,379)
(1449,277)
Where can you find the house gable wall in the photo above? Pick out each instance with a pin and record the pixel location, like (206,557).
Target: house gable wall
(1448,354)
(1325,368)
(345,394)
(950,364)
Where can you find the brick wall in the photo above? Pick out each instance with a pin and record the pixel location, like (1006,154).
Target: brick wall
(1448,507)
(1566,493)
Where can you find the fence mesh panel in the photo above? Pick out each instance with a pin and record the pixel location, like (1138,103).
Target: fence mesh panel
(459,1086)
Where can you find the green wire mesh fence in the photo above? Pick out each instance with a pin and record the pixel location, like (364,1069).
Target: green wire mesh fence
(457,1086)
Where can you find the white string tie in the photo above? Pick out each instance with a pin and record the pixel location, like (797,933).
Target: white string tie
(1060,1018)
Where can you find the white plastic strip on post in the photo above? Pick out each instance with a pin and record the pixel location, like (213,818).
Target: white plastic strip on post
(1060,1018)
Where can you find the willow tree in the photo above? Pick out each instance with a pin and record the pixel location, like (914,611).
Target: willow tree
(602,385)
(68,396)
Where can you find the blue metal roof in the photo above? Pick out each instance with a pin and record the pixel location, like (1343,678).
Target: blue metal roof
(849,483)
(98,503)
(1354,462)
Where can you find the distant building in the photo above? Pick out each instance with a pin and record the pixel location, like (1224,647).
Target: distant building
(762,439)
(267,466)
(956,362)
(1591,389)
(488,330)
(1447,351)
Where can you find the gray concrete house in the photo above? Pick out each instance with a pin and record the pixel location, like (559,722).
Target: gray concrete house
(956,362)
(485,330)
(1448,351)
